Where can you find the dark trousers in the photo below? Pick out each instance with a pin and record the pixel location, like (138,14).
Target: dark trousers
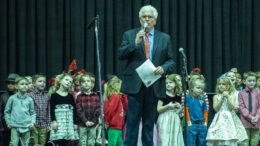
(142,105)
(5,137)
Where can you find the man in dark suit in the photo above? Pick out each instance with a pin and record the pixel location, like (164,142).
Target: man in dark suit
(137,46)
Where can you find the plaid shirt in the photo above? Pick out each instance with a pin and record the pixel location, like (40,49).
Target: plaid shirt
(88,108)
(41,102)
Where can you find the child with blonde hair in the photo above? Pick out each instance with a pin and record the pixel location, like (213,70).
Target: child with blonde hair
(226,128)
(115,106)
(169,108)
(63,111)
(20,116)
(196,114)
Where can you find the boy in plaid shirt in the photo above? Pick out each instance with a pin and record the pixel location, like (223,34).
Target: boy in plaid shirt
(88,109)
(42,108)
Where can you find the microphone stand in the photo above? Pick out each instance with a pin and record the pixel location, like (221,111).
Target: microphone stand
(184,83)
(99,81)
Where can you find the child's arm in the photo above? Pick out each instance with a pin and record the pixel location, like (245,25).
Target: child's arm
(32,112)
(187,114)
(7,112)
(161,108)
(231,100)
(217,102)
(205,112)
(206,100)
(110,107)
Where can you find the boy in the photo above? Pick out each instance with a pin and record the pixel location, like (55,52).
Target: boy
(249,107)
(4,131)
(42,107)
(88,109)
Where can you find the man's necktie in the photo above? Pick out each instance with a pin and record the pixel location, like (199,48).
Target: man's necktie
(250,101)
(147,46)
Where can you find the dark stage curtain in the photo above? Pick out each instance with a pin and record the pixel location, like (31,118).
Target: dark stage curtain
(44,36)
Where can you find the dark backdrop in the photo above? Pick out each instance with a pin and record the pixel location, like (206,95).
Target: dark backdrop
(43,36)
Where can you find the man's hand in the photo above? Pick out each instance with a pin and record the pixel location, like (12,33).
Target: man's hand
(158,71)
(139,37)
(31,126)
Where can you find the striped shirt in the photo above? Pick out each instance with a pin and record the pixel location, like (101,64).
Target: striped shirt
(41,102)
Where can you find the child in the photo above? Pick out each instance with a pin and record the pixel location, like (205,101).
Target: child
(232,77)
(4,131)
(42,107)
(88,109)
(194,76)
(19,113)
(63,111)
(30,84)
(169,125)
(249,107)
(258,81)
(226,128)
(115,106)
(196,114)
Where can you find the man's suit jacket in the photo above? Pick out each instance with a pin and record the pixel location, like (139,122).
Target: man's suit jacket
(134,55)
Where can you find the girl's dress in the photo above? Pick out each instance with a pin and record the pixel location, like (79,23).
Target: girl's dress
(169,125)
(63,111)
(226,128)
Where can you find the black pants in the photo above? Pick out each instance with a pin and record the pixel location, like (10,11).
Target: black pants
(142,105)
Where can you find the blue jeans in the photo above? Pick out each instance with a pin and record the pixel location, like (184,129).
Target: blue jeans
(196,132)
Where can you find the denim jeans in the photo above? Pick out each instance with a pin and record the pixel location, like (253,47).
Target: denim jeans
(196,134)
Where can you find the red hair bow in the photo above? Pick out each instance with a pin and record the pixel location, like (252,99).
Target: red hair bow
(196,70)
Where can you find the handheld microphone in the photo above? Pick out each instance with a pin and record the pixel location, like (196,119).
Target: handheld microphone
(145,26)
(181,50)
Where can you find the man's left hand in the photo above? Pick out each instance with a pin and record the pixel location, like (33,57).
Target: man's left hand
(158,71)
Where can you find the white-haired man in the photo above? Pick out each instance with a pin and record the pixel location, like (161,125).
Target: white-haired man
(138,45)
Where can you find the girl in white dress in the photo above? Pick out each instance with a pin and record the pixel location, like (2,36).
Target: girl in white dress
(226,128)
(169,109)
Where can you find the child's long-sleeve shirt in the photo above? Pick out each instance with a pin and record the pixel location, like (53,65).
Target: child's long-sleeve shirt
(245,114)
(204,94)
(88,108)
(196,110)
(42,108)
(114,110)
(19,111)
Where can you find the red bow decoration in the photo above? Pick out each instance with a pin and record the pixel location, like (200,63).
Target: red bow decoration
(196,70)
(80,72)
(52,81)
(73,66)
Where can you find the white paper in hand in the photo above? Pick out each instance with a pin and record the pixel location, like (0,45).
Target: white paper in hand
(146,73)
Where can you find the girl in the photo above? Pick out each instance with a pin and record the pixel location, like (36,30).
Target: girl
(63,111)
(232,77)
(226,128)
(196,114)
(115,106)
(20,116)
(169,125)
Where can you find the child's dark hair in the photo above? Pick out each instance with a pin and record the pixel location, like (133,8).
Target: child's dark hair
(18,79)
(36,76)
